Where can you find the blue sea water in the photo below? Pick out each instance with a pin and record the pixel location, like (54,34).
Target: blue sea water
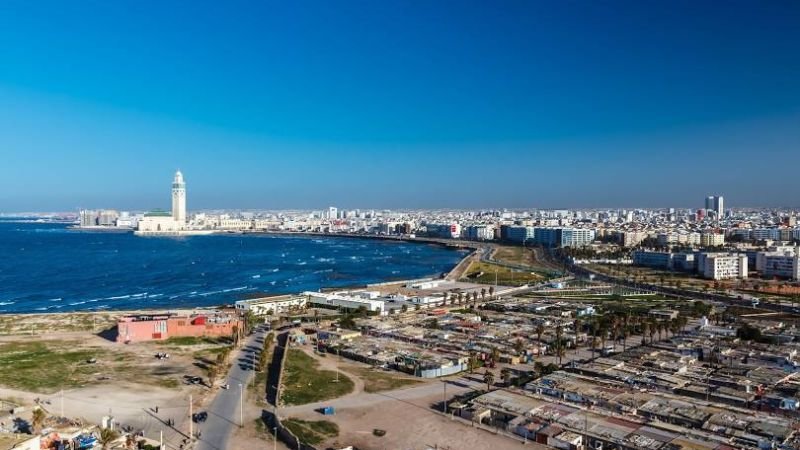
(48,267)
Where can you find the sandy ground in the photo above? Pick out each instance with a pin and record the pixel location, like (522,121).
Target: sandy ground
(404,413)
(133,389)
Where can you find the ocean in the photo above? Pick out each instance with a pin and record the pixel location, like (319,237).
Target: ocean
(46,267)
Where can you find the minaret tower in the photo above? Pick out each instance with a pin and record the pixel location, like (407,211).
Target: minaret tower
(179,198)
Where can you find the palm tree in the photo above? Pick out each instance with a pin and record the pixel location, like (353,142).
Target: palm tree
(488,378)
(39,415)
(645,330)
(472,362)
(559,330)
(652,324)
(539,331)
(495,354)
(107,436)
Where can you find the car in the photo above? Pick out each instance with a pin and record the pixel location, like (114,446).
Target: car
(199,417)
(226,386)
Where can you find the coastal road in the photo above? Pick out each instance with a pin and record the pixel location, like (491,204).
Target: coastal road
(224,409)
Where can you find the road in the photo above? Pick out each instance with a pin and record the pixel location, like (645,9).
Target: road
(224,409)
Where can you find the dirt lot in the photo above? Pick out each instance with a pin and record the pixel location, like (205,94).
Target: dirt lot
(100,377)
(398,404)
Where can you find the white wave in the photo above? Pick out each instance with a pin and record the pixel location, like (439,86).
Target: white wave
(205,294)
(272,283)
(6,303)
(76,303)
(55,299)
(94,300)
(120,297)
(144,294)
(302,263)
(235,289)
(275,270)
(41,309)
(325,260)
(256,276)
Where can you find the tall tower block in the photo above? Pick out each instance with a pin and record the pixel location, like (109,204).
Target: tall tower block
(179,198)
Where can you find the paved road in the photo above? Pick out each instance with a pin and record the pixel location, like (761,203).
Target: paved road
(223,412)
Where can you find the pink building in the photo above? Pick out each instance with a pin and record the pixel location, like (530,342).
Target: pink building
(141,328)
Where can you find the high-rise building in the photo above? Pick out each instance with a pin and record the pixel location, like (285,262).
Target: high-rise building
(718,206)
(179,198)
(710,203)
(333,213)
(715,203)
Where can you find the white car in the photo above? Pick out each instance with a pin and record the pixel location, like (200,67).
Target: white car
(225,386)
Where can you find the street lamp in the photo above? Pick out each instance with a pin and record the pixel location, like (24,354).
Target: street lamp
(241,406)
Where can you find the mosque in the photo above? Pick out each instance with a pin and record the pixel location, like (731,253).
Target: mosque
(164,222)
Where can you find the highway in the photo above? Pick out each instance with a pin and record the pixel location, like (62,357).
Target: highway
(224,409)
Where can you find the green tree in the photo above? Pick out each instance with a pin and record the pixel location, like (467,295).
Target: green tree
(488,378)
(107,437)
(472,362)
(39,416)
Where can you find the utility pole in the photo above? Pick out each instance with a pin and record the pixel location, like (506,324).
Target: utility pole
(62,402)
(444,397)
(241,406)
(191,418)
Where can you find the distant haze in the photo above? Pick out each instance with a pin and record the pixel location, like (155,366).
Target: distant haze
(415,104)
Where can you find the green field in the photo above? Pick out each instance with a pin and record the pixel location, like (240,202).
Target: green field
(504,275)
(45,366)
(312,432)
(304,382)
(192,340)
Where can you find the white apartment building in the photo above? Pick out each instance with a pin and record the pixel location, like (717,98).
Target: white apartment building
(712,239)
(347,300)
(633,238)
(784,264)
(723,266)
(268,306)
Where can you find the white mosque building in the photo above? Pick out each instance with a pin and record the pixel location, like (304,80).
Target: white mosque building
(166,223)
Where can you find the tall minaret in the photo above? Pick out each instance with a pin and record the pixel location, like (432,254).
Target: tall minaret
(179,198)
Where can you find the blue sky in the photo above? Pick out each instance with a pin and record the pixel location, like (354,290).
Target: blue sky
(399,104)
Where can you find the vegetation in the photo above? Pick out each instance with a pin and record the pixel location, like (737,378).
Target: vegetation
(193,340)
(488,378)
(107,436)
(39,416)
(45,366)
(483,272)
(376,380)
(305,383)
(312,432)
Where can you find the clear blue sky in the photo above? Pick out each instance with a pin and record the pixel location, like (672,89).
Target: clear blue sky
(407,104)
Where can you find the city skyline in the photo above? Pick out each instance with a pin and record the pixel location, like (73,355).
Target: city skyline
(412,106)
